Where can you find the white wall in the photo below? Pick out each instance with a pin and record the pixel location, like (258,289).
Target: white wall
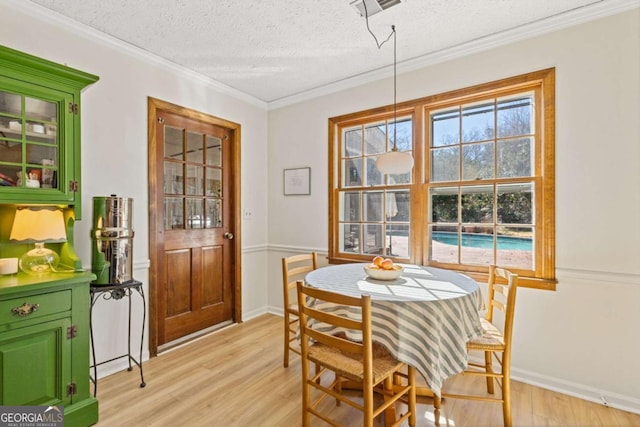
(582,339)
(114,145)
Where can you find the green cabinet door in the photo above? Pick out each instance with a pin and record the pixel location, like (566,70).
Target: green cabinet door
(35,364)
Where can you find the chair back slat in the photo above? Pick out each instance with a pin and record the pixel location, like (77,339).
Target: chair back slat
(335,320)
(294,268)
(336,342)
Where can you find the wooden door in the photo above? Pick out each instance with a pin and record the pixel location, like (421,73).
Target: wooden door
(194,267)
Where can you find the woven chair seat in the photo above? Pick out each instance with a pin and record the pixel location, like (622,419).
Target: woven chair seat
(491,338)
(349,365)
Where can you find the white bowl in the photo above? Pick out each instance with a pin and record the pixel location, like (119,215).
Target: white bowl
(379,274)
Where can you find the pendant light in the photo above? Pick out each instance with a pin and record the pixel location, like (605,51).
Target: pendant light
(394,161)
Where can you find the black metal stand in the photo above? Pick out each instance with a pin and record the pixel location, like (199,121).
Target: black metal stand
(117,292)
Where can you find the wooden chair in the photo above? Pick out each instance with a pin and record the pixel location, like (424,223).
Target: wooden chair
(293,268)
(494,343)
(365,363)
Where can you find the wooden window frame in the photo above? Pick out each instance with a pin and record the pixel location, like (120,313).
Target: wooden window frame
(542,84)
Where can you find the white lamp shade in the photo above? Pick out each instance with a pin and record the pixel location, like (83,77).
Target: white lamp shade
(38,225)
(394,162)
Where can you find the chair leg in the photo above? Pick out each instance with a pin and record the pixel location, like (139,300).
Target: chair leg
(488,364)
(506,396)
(306,402)
(285,361)
(411,372)
(437,404)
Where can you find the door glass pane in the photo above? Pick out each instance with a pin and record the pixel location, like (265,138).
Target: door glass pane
(195,147)
(214,182)
(173,143)
(38,109)
(173,213)
(214,213)
(173,178)
(195,214)
(214,151)
(195,180)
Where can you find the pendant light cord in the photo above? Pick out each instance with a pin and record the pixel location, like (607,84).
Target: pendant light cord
(395,104)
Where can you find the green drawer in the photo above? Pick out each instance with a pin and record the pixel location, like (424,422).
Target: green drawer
(34,306)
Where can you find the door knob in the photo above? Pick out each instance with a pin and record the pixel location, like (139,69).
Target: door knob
(228,235)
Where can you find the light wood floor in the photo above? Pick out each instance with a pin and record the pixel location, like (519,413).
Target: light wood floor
(234,377)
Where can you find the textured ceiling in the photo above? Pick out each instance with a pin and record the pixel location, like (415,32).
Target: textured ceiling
(273,49)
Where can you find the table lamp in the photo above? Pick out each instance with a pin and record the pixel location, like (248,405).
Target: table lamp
(38,225)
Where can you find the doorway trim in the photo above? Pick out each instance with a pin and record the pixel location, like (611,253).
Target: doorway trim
(155,105)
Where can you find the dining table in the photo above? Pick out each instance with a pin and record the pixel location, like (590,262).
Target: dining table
(424,317)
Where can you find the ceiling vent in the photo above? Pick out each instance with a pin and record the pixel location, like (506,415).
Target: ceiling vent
(373,6)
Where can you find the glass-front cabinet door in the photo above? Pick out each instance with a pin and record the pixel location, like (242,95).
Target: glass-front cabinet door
(31,153)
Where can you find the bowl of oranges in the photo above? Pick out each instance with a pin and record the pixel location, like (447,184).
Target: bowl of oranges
(383,269)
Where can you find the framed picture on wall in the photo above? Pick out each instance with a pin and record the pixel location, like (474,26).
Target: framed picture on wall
(297,181)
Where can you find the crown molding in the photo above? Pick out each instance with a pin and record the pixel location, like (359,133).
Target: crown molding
(89,33)
(558,22)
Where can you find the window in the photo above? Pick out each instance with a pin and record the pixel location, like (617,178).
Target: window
(481,191)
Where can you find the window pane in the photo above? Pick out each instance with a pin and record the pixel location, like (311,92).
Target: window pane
(374,177)
(404,135)
(445,164)
(375,139)
(515,247)
(397,205)
(477,204)
(478,122)
(10,103)
(444,205)
(372,206)
(515,158)
(352,171)
(374,239)
(350,203)
(515,204)
(214,151)
(477,161)
(403,178)
(477,255)
(515,117)
(350,238)
(445,128)
(444,244)
(352,142)
(397,240)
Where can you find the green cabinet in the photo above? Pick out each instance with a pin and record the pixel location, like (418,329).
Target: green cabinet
(44,343)
(40,130)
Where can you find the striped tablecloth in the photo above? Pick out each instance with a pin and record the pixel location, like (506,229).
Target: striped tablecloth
(424,318)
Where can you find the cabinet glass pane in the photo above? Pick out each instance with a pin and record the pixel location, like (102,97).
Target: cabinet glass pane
(29,153)
(195,147)
(214,151)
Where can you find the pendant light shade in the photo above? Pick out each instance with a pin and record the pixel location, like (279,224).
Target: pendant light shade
(394,161)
